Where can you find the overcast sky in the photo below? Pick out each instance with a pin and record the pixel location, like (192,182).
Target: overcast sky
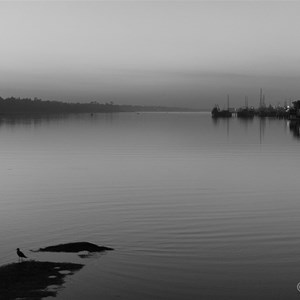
(183,53)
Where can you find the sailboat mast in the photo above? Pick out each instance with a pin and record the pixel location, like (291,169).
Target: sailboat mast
(260,98)
(246,101)
(227,102)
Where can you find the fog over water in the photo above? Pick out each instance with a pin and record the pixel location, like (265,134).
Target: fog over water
(178,53)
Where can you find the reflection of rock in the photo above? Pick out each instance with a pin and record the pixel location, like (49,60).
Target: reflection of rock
(75,247)
(32,279)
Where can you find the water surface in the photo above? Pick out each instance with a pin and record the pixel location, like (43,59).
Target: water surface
(196,208)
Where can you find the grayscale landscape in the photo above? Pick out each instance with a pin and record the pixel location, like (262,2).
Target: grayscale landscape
(149,150)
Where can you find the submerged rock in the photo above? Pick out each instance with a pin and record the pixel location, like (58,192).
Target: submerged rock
(75,247)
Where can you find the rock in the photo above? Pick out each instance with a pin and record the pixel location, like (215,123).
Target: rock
(75,247)
(32,279)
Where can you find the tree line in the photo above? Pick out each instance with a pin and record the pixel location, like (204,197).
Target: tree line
(14,105)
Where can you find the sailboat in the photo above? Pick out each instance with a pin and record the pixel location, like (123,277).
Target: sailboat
(245,112)
(218,113)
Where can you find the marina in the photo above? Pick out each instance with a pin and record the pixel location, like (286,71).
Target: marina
(290,112)
(262,112)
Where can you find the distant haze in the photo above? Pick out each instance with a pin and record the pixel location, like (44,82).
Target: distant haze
(188,53)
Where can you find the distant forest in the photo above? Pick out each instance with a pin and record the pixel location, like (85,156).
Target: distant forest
(14,105)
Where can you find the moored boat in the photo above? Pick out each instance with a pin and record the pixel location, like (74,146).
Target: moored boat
(217,113)
(294,112)
(245,112)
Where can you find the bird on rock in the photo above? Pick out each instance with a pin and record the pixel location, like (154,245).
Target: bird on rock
(21,255)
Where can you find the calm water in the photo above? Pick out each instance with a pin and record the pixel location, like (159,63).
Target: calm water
(196,209)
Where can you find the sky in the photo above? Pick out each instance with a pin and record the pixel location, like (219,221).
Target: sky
(171,53)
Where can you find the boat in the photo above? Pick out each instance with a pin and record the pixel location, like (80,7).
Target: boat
(217,113)
(294,112)
(245,112)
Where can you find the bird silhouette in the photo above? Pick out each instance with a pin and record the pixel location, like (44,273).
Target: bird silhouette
(21,255)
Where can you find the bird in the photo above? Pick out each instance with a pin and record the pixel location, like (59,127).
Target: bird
(21,254)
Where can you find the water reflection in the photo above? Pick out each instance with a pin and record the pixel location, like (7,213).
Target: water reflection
(196,207)
(242,123)
(34,120)
(30,120)
(245,122)
(295,129)
(231,127)
(221,121)
(262,128)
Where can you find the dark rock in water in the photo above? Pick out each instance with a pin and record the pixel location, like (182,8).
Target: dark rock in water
(33,279)
(75,247)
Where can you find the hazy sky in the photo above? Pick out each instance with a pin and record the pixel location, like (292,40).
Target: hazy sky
(180,53)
